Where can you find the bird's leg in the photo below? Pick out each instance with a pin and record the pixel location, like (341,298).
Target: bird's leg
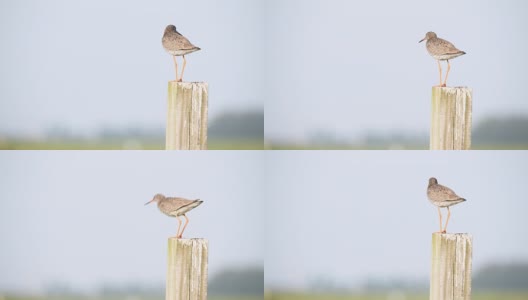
(448,215)
(175,66)
(183,69)
(447,73)
(440,215)
(185,225)
(179,225)
(440,71)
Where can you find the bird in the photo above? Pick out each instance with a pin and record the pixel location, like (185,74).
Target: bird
(441,49)
(175,207)
(442,196)
(177,45)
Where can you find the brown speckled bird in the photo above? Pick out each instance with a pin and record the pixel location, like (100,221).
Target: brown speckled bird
(175,207)
(177,45)
(441,49)
(442,196)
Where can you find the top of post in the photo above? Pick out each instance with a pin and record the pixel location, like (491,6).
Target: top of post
(453,89)
(452,236)
(187,83)
(188,242)
(204,86)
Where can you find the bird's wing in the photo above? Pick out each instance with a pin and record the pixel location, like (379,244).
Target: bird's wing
(183,43)
(446,47)
(172,204)
(446,193)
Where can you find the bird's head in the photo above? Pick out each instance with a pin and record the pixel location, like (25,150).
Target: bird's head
(157,198)
(429,35)
(433,181)
(170,28)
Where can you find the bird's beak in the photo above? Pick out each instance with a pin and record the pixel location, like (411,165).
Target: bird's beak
(422,40)
(149,201)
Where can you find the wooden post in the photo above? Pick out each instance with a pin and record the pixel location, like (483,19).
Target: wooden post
(187,269)
(451,266)
(187,116)
(451,118)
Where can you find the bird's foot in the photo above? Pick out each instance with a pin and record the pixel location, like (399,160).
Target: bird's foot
(179,236)
(443,231)
(179,80)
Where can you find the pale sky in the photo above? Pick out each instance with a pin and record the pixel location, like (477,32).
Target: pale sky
(346,67)
(339,66)
(86,64)
(78,217)
(341,215)
(346,216)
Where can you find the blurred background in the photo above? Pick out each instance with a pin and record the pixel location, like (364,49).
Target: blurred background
(352,75)
(93,74)
(359,225)
(73,225)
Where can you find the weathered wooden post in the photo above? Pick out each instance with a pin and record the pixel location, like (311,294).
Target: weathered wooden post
(451,266)
(451,118)
(187,269)
(187,116)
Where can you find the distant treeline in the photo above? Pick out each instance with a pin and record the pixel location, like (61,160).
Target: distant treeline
(504,131)
(229,282)
(512,276)
(250,281)
(492,277)
(238,282)
(507,131)
(233,125)
(238,125)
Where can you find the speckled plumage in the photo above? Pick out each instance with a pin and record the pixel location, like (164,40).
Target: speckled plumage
(174,206)
(175,43)
(442,196)
(441,49)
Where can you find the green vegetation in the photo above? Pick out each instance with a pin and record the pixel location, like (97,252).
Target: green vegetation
(250,144)
(384,147)
(290,296)
(398,295)
(128,297)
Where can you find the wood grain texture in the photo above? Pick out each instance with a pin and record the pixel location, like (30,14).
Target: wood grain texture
(451,116)
(187,269)
(451,266)
(187,116)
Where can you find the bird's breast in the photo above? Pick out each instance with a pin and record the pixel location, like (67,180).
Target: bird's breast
(178,52)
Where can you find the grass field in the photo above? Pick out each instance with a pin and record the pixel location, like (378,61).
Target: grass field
(213,145)
(381,147)
(122,298)
(393,296)
(292,296)
(122,145)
